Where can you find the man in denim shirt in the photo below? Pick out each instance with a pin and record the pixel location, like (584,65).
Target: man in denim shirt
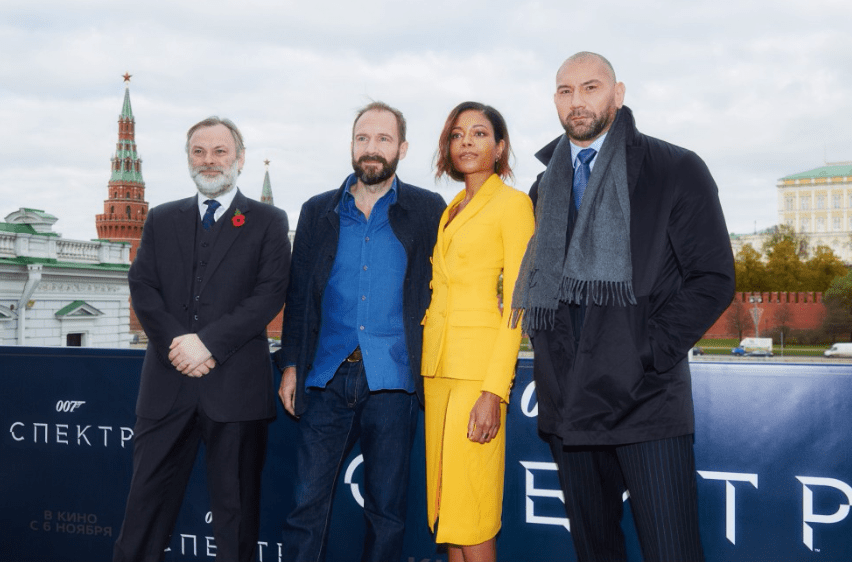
(352,338)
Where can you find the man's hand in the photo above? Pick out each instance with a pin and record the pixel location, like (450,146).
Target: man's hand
(203,369)
(188,353)
(484,418)
(287,390)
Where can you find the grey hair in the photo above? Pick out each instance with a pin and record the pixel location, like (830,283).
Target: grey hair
(212,121)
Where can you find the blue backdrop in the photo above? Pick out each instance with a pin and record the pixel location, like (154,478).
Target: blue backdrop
(773,452)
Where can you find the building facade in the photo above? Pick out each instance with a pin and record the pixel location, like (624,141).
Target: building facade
(59,292)
(818,203)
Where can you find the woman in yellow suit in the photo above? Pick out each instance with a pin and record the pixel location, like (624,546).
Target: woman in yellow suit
(469,350)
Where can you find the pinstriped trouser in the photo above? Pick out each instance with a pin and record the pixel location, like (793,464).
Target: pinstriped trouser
(660,476)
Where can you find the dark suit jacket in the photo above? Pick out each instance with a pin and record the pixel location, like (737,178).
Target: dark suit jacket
(414,220)
(243,291)
(625,377)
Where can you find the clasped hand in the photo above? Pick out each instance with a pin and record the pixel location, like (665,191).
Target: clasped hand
(190,356)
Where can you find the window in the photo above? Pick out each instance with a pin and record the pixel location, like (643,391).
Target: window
(820,225)
(836,224)
(805,202)
(835,201)
(806,225)
(128,211)
(789,203)
(820,202)
(74,340)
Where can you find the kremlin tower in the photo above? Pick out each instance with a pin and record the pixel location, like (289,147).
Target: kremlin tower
(126,208)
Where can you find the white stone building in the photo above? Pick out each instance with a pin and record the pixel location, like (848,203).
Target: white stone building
(818,203)
(58,292)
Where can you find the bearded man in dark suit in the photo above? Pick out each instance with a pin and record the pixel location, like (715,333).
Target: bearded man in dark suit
(210,274)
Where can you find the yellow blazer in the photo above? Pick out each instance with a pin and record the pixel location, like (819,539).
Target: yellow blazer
(465,336)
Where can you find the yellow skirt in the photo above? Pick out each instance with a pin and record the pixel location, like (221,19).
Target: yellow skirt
(464,480)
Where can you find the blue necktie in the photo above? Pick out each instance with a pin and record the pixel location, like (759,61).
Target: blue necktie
(582,173)
(208,220)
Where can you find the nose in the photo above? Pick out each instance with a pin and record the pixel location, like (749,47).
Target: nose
(577,99)
(467,138)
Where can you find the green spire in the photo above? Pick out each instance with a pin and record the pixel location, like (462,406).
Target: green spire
(126,110)
(266,194)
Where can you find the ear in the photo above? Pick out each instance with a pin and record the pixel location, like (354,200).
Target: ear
(241,159)
(620,88)
(403,149)
(501,146)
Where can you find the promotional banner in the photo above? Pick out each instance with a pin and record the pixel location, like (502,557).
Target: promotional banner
(773,456)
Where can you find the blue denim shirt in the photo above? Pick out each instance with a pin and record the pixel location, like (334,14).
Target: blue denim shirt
(362,303)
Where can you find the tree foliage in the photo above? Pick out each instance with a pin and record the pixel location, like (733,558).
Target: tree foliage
(838,303)
(738,318)
(750,271)
(781,267)
(823,268)
(785,233)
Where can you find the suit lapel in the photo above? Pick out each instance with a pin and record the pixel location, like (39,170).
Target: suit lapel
(228,234)
(476,204)
(185,226)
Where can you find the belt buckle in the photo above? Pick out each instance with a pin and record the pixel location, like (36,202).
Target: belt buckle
(355,356)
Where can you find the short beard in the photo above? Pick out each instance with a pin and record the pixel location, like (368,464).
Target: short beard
(369,177)
(217,185)
(590,132)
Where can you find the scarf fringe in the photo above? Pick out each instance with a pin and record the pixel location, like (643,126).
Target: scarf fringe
(535,318)
(602,293)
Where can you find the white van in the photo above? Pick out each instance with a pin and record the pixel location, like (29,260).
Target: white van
(839,350)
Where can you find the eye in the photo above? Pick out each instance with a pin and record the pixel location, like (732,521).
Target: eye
(455,136)
(481,134)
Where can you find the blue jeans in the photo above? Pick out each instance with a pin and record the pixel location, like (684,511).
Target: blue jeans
(336,417)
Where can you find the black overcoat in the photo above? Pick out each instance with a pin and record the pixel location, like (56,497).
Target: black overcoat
(625,377)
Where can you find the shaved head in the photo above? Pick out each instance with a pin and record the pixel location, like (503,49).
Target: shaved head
(586,56)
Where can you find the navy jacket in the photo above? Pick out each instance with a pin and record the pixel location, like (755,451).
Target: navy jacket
(414,220)
(624,378)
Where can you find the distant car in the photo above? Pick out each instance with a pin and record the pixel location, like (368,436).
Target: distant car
(697,351)
(738,351)
(760,353)
(274,344)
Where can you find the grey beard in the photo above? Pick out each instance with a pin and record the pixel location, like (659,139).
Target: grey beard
(219,185)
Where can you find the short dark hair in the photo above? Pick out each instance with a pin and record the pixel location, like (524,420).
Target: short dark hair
(212,121)
(443,161)
(382,106)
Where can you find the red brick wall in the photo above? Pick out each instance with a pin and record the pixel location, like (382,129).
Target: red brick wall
(806,312)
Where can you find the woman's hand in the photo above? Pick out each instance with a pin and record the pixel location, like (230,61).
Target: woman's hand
(484,418)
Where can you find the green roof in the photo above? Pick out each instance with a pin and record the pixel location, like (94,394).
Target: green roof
(828,171)
(87,309)
(54,263)
(17,228)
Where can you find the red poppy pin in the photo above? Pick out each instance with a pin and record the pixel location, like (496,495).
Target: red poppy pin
(238,219)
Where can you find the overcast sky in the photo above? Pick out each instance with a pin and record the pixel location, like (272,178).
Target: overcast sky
(759,89)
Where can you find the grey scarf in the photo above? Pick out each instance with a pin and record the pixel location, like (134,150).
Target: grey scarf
(597,267)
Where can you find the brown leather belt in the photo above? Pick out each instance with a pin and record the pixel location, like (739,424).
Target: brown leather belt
(355,356)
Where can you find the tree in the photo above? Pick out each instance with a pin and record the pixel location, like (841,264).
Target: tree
(738,318)
(783,317)
(781,233)
(750,271)
(821,269)
(784,267)
(838,303)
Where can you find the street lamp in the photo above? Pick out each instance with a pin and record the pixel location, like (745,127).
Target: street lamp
(756,313)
